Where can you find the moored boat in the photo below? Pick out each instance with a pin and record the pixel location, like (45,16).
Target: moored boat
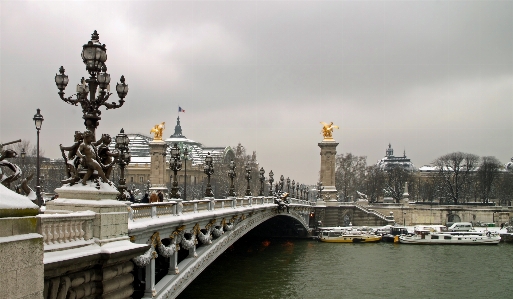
(463,238)
(346,236)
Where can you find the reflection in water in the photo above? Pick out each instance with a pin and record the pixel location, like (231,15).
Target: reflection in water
(278,268)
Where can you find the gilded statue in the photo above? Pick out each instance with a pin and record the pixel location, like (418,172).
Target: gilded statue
(158,130)
(327,130)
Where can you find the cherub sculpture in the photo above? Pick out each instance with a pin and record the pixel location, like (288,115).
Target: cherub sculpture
(327,130)
(158,130)
(72,161)
(105,155)
(89,158)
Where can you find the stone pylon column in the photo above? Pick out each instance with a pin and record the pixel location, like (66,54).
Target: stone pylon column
(158,163)
(328,153)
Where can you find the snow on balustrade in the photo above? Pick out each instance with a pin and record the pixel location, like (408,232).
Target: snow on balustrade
(64,231)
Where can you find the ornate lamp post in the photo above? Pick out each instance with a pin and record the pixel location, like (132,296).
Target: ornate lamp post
(282,178)
(209,170)
(232,175)
(271,180)
(293,194)
(185,158)
(175,165)
(38,120)
(123,159)
(307,193)
(94,55)
(288,185)
(248,178)
(319,190)
(262,179)
(148,185)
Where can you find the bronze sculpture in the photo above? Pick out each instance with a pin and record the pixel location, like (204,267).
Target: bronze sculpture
(105,155)
(89,158)
(72,161)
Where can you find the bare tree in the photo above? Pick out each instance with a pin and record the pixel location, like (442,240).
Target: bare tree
(487,175)
(455,171)
(349,174)
(374,182)
(395,179)
(504,189)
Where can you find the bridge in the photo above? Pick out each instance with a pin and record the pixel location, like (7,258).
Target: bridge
(164,247)
(203,228)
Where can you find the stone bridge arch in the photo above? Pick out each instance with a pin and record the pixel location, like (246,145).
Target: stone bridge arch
(183,270)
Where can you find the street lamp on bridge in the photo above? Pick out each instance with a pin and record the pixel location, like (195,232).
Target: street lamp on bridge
(262,179)
(293,195)
(282,181)
(232,175)
(248,178)
(38,121)
(209,170)
(175,165)
(94,55)
(271,180)
(123,160)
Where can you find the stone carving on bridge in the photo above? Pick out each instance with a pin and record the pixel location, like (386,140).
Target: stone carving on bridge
(327,130)
(145,259)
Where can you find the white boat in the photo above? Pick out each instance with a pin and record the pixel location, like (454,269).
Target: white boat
(463,238)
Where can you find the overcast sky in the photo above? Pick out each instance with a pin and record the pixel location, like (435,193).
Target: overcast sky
(429,77)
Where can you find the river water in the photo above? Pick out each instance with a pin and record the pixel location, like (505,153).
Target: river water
(282,268)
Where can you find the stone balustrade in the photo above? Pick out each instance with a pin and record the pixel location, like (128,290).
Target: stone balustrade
(64,231)
(155,210)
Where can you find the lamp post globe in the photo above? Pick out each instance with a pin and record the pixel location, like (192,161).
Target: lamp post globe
(38,121)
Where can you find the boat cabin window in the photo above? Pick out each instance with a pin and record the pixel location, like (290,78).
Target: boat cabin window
(447,237)
(434,237)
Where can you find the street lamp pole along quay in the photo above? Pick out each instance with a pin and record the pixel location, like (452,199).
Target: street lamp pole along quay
(38,120)
(94,55)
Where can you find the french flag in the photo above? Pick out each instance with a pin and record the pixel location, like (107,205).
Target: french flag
(180,109)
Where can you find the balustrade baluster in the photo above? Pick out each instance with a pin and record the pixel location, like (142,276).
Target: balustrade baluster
(66,232)
(72,228)
(49,235)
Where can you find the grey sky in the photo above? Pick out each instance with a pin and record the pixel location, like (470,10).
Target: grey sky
(430,77)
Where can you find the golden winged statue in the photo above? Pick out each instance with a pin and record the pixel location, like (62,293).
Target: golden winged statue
(327,130)
(158,130)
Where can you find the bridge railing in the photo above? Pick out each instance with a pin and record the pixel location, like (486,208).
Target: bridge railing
(61,231)
(155,210)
